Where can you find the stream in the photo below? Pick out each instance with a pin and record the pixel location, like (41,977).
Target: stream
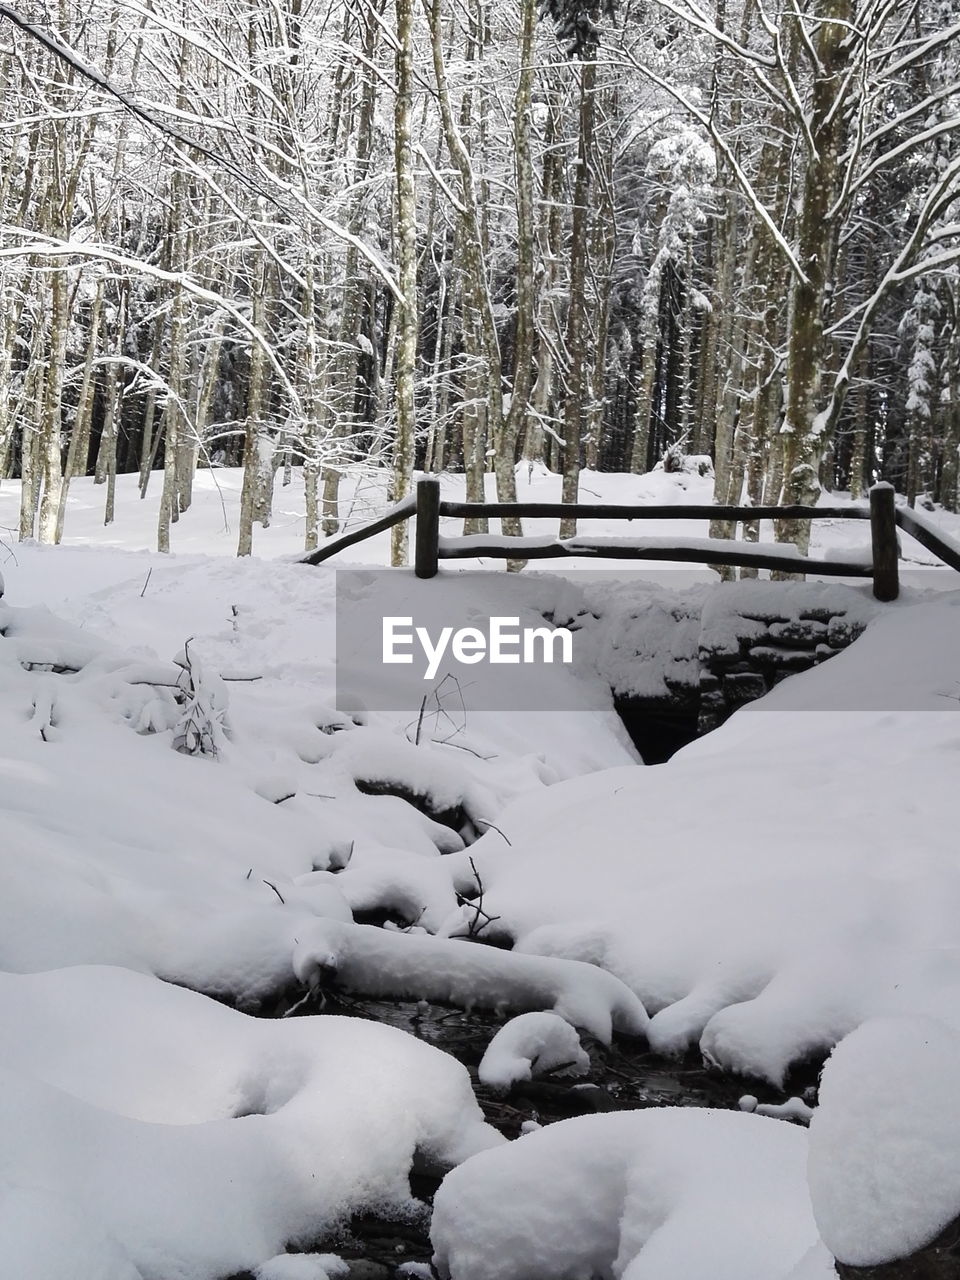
(623,1076)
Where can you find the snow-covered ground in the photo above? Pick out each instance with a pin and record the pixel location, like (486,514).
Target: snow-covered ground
(787,883)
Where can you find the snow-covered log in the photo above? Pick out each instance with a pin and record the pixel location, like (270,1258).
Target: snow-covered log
(378,963)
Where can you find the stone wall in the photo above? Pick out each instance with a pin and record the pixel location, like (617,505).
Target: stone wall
(680,664)
(751,645)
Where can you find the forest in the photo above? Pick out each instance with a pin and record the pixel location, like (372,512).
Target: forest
(461,236)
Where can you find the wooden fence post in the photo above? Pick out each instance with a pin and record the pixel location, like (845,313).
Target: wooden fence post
(427,552)
(886,550)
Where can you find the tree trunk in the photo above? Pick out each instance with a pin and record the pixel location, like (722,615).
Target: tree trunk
(802,433)
(578,357)
(406,356)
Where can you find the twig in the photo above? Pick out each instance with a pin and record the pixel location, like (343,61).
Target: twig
(462,747)
(441,711)
(309,995)
(146,582)
(493,827)
(271,885)
(423,707)
(475,928)
(413,923)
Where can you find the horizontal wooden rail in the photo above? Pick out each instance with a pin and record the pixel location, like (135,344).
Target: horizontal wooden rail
(574,510)
(911,521)
(403,510)
(693,551)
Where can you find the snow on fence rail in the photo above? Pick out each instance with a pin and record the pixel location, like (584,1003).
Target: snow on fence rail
(403,510)
(884,517)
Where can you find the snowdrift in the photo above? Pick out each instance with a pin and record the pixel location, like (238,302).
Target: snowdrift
(779,881)
(192,1141)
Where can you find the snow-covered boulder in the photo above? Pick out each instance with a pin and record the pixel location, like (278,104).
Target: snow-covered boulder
(885,1141)
(530,1045)
(160,1134)
(642,1195)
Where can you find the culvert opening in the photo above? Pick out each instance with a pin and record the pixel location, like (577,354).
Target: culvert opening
(658,732)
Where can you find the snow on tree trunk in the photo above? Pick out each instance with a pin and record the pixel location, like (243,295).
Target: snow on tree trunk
(406,224)
(803,429)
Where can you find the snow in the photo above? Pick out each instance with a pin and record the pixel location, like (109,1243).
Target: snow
(531,1044)
(379,962)
(702,1194)
(935,526)
(771,937)
(793,1109)
(303,1266)
(885,1140)
(784,886)
(201,1140)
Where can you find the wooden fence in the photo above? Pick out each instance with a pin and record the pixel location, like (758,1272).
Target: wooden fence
(882,513)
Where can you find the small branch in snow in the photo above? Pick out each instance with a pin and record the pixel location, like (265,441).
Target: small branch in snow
(423,707)
(440,712)
(481,919)
(307,996)
(459,746)
(493,827)
(271,885)
(412,924)
(146,582)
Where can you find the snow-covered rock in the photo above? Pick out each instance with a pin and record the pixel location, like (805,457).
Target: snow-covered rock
(193,1141)
(702,1194)
(885,1140)
(530,1045)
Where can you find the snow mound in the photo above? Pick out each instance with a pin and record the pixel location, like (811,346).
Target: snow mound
(885,1140)
(783,879)
(643,1195)
(190,1140)
(530,1045)
(414,889)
